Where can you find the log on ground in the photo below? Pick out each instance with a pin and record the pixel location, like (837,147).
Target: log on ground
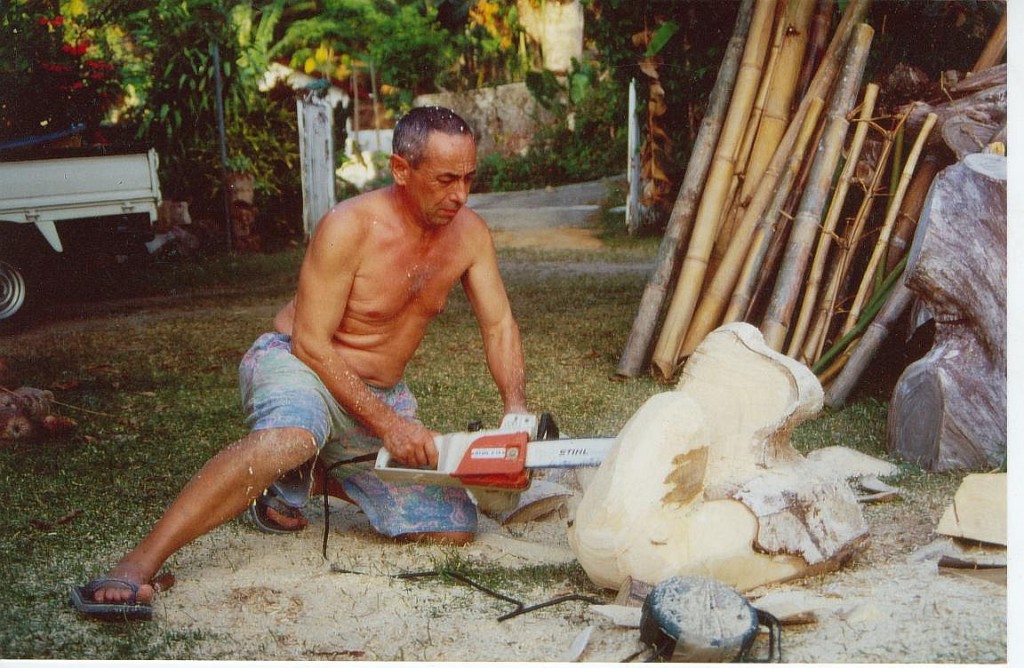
(948,410)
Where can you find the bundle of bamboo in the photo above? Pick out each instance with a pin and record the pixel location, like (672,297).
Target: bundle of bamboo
(776,222)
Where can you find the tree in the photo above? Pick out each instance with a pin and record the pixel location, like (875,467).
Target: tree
(182,43)
(408,47)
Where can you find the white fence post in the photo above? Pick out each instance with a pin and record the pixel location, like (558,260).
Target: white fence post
(316,158)
(633,163)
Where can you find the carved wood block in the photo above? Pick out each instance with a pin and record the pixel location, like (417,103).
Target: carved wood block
(704,481)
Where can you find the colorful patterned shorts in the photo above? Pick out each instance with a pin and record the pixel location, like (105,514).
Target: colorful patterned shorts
(279,391)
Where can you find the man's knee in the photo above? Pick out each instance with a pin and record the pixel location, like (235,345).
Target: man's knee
(283,448)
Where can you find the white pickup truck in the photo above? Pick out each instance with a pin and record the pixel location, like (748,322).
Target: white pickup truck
(78,209)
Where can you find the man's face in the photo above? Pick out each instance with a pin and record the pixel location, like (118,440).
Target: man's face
(440,184)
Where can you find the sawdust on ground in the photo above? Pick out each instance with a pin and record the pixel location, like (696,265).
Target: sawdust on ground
(255,596)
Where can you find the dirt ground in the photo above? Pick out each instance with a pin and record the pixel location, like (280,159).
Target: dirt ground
(274,597)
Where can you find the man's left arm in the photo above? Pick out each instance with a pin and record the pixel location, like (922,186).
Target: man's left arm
(503,346)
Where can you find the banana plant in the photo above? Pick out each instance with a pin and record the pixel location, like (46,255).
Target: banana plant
(656,186)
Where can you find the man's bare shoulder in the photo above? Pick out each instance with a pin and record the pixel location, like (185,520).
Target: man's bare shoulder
(473,223)
(362,209)
(354,220)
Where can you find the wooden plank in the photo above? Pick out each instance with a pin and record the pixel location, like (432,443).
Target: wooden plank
(978,511)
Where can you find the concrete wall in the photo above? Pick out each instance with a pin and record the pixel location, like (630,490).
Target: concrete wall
(504,118)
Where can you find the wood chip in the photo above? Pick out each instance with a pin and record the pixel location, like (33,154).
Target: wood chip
(992,572)
(541,499)
(621,615)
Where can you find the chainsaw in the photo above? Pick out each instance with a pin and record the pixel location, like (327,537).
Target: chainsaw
(495,464)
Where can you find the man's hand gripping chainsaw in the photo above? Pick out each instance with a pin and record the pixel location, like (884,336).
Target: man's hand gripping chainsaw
(496,462)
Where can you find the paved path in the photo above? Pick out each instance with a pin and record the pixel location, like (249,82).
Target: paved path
(570,206)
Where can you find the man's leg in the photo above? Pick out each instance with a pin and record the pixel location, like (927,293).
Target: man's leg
(222,489)
(414,512)
(336,490)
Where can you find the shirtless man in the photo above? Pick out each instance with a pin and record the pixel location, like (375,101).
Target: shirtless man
(327,383)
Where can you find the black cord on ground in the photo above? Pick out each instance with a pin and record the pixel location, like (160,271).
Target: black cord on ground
(520,608)
(327,507)
(555,601)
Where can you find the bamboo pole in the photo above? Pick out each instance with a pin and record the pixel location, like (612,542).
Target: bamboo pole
(823,79)
(778,229)
(828,227)
(825,376)
(775,326)
(913,202)
(765,278)
(691,278)
(883,238)
(741,298)
(867,346)
(876,303)
(817,39)
(783,83)
(840,267)
(635,354)
(995,47)
(771,115)
(727,223)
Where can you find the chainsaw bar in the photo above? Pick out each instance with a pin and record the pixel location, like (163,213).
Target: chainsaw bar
(568,452)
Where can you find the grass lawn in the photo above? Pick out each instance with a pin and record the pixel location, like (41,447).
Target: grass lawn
(152,385)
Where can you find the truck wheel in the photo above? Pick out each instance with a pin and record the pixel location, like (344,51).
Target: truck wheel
(13,290)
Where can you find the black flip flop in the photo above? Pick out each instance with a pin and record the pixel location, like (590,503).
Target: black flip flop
(130,610)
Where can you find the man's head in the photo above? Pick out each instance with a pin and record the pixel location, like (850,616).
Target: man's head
(409,139)
(433,163)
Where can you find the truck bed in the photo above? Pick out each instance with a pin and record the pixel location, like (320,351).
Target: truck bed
(44,191)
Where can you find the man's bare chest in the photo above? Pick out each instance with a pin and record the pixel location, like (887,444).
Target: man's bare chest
(414,288)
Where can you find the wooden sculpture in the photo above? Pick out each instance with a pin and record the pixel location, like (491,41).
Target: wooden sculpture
(704,481)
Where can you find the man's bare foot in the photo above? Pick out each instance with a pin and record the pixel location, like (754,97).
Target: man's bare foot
(113,588)
(292,521)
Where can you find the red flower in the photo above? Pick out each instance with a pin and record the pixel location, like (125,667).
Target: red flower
(76,50)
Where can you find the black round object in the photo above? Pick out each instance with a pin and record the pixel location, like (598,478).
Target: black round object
(696,619)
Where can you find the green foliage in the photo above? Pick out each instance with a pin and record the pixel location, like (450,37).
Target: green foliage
(545,88)
(57,69)
(588,141)
(183,43)
(407,46)
(689,40)
(661,37)
(410,53)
